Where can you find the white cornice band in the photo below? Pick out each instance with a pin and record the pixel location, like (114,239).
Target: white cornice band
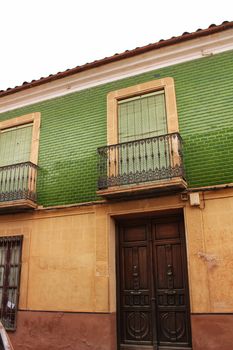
(160,58)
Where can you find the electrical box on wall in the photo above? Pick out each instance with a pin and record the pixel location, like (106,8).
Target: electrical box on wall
(194,199)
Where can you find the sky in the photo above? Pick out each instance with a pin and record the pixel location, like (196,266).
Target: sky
(42,37)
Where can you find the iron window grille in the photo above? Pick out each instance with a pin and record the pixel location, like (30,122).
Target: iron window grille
(10,268)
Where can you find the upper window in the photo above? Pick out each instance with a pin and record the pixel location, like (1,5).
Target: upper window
(15,145)
(19,139)
(19,144)
(142,116)
(141,111)
(10,263)
(143,140)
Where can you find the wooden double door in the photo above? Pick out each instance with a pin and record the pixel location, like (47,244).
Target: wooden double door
(153,298)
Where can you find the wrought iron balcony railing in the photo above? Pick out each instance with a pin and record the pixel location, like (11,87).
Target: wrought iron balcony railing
(151,159)
(18,181)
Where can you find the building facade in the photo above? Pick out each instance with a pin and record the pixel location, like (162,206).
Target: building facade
(116,201)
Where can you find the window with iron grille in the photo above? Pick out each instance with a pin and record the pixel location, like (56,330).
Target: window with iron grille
(10,266)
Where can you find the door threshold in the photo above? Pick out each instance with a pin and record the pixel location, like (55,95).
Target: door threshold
(173,348)
(137,347)
(150,347)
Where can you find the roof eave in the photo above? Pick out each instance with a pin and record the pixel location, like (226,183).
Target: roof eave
(213,29)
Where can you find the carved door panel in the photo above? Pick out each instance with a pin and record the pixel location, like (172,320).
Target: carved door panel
(153,306)
(172,300)
(135,288)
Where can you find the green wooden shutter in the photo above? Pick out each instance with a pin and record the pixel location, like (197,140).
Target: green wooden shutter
(141,117)
(15,145)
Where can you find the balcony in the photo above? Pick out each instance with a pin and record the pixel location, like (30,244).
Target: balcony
(148,165)
(18,186)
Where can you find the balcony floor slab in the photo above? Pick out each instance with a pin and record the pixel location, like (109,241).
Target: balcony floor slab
(162,186)
(17,205)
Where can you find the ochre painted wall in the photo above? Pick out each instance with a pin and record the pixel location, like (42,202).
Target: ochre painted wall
(69,254)
(60,258)
(210,251)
